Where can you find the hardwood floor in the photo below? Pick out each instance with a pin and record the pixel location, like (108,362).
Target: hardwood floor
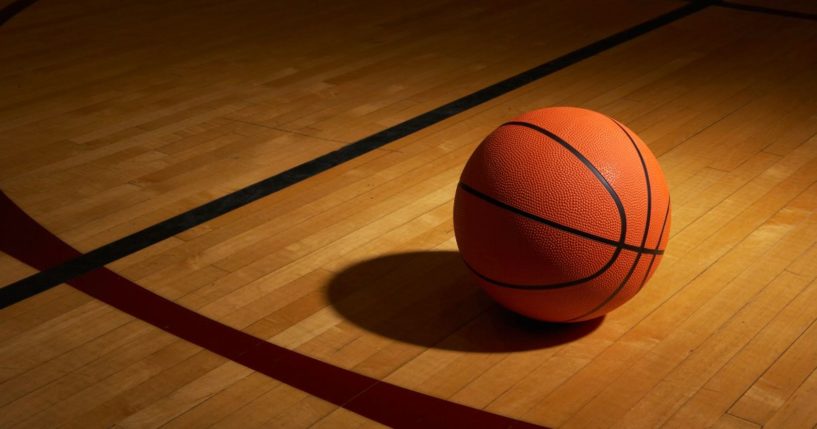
(116,116)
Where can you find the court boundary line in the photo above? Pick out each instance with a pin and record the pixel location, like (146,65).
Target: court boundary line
(13,9)
(766,10)
(120,248)
(370,397)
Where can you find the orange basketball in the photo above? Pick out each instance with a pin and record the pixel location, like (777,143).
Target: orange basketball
(562,214)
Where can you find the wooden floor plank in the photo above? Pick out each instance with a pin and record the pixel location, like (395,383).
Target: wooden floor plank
(772,389)
(798,410)
(725,388)
(728,421)
(12,270)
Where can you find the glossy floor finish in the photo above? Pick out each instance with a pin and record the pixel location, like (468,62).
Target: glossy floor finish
(118,116)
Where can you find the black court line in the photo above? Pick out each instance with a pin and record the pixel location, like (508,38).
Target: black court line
(767,10)
(125,246)
(11,10)
(393,406)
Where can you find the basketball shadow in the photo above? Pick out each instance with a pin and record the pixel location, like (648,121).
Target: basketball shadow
(429,299)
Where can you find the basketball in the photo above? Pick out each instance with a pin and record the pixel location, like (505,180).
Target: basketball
(562,214)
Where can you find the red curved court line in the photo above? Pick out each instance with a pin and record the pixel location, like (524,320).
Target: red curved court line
(23,238)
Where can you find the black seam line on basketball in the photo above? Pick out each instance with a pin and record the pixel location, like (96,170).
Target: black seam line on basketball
(600,177)
(652,257)
(14,9)
(607,187)
(132,243)
(767,10)
(643,238)
(646,180)
(548,222)
(535,287)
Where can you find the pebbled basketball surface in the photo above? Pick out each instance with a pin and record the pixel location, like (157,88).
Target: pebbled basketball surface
(562,214)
